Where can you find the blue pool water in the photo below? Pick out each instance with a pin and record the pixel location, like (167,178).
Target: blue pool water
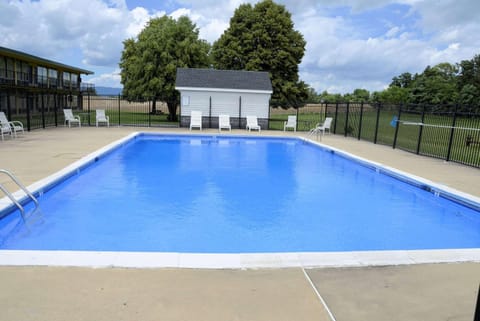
(235,195)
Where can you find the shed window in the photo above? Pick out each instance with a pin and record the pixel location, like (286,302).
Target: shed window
(185,100)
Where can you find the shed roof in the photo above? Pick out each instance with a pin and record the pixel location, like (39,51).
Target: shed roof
(223,79)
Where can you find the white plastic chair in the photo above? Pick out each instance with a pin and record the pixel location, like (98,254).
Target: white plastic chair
(69,118)
(321,128)
(224,122)
(5,129)
(100,117)
(11,127)
(196,120)
(290,123)
(252,123)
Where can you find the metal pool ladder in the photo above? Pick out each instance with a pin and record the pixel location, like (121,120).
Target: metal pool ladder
(11,197)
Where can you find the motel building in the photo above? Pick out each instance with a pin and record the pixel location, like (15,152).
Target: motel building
(30,85)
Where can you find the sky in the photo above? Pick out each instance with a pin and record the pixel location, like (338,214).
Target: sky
(350,43)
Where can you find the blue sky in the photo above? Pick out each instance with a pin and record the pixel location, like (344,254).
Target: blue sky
(350,43)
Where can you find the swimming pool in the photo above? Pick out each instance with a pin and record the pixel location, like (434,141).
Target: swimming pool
(216,194)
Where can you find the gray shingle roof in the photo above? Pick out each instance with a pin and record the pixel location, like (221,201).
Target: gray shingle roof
(223,79)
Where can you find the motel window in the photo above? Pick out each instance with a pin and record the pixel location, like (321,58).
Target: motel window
(42,75)
(10,68)
(3,67)
(52,73)
(66,79)
(74,78)
(52,77)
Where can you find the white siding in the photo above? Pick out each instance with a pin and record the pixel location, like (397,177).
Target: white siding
(255,105)
(225,103)
(198,100)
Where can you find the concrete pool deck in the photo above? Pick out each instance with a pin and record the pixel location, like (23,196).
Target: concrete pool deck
(411,292)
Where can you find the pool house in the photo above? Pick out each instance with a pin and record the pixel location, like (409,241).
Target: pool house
(224,92)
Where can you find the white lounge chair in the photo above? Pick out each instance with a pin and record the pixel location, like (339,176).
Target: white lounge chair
(224,122)
(252,123)
(196,120)
(70,119)
(290,123)
(5,129)
(100,117)
(10,127)
(321,128)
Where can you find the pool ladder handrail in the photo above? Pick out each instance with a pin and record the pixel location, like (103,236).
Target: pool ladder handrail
(10,195)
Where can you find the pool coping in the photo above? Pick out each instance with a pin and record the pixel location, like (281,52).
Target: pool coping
(236,260)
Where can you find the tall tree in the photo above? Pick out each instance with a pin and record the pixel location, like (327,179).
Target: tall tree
(469,73)
(149,63)
(263,38)
(436,85)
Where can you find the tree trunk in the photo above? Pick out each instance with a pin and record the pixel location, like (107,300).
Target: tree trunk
(154,107)
(172,111)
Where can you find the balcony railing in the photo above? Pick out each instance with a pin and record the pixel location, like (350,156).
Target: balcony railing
(23,79)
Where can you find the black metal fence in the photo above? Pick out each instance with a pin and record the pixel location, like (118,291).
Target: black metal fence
(451,133)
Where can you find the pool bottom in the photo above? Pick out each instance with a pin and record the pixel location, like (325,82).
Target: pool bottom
(233,261)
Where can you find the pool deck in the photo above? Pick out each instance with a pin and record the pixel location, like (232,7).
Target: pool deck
(403,292)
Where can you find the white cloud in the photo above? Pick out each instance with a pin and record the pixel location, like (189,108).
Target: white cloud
(340,55)
(108,79)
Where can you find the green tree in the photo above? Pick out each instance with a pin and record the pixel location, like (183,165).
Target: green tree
(263,38)
(469,72)
(360,95)
(469,95)
(313,97)
(149,63)
(402,81)
(436,85)
(330,98)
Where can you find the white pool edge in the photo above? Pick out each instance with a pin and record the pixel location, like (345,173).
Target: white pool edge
(234,261)
(102,259)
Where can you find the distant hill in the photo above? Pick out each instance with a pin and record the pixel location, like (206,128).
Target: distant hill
(106,91)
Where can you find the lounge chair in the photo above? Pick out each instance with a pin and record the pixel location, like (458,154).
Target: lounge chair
(10,127)
(101,118)
(252,123)
(196,120)
(321,128)
(69,118)
(224,122)
(5,129)
(290,123)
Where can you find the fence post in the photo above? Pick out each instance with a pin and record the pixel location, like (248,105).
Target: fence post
(29,103)
(420,132)
(119,122)
(43,111)
(55,98)
(376,123)
(296,118)
(336,118)
(88,107)
(346,120)
(452,131)
(360,122)
(210,112)
(397,126)
(9,111)
(239,112)
(149,113)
